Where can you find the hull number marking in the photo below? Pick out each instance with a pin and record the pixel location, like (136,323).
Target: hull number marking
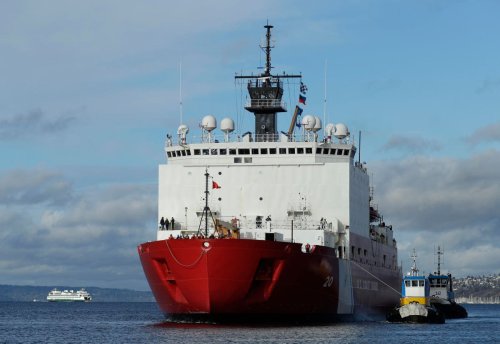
(328,282)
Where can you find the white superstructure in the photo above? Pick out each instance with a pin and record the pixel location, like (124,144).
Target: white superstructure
(69,295)
(299,181)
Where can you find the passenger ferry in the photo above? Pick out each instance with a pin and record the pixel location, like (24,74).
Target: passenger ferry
(69,296)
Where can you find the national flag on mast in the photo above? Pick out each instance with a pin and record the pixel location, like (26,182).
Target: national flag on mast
(302,99)
(215,185)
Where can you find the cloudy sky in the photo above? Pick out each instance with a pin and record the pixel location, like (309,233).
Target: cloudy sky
(89,89)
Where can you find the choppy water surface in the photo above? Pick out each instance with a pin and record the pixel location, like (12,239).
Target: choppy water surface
(42,322)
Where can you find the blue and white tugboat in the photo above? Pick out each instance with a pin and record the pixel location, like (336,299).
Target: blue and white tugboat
(442,296)
(415,304)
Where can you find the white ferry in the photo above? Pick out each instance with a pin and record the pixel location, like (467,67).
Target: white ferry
(69,295)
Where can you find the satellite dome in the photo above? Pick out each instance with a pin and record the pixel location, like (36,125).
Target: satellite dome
(341,131)
(330,129)
(209,123)
(308,122)
(183,129)
(317,124)
(227,125)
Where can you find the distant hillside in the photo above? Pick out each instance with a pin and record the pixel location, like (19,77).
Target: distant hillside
(30,293)
(477,289)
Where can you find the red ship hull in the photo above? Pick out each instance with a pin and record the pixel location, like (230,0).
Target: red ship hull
(249,279)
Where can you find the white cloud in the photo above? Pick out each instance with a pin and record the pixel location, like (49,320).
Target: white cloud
(488,133)
(34,187)
(88,240)
(412,144)
(452,202)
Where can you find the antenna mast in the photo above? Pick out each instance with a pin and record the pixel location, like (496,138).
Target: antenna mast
(439,254)
(267,49)
(180,90)
(414,269)
(266,92)
(324,104)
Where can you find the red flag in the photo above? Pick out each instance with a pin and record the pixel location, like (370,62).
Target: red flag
(302,99)
(215,185)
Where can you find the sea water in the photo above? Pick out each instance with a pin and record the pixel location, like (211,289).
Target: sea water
(94,322)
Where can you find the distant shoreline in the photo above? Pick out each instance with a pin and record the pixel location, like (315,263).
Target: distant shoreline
(39,293)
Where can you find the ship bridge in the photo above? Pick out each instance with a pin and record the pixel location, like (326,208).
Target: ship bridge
(261,152)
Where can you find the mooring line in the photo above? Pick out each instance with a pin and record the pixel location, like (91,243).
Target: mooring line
(376,277)
(181,264)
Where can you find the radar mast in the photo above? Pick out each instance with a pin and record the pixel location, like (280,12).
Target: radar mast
(266,92)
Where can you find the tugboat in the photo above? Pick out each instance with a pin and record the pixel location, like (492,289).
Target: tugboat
(269,225)
(415,305)
(442,295)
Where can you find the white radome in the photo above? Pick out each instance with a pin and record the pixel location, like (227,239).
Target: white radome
(309,122)
(183,129)
(330,129)
(317,124)
(227,125)
(209,123)
(341,131)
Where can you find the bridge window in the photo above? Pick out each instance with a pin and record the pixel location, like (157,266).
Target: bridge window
(232,151)
(282,150)
(255,151)
(263,151)
(205,152)
(183,153)
(318,150)
(272,150)
(223,151)
(300,150)
(196,152)
(333,151)
(309,150)
(326,150)
(213,151)
(169,154)
(346,151)
(244,151)
(188,152)
(291,150)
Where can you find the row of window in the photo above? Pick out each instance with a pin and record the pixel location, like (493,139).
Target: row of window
(414,283)
(257,151)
